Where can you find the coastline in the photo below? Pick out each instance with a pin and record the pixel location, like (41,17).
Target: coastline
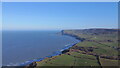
(89,49)
(31,63)
(75,36)
(96,44)
(57,53)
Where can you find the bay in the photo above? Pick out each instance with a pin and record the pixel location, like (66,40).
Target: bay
(21,46)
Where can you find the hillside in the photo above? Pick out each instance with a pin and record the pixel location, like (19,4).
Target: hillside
(99,47)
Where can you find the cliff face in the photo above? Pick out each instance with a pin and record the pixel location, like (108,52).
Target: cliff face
(72,33)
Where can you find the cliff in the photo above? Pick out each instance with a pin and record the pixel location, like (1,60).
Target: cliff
(99,47)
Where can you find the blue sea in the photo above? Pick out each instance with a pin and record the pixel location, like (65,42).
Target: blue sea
(21,46)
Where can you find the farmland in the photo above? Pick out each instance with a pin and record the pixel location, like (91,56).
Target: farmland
(99,47)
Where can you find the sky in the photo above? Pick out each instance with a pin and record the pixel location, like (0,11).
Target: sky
(59,15)
(60,0)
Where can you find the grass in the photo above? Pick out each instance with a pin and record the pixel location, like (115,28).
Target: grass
(100,49)
(108,62)
(102,44)
(106,51)
(86,62)
(83,56)
(64,60)
(70,60)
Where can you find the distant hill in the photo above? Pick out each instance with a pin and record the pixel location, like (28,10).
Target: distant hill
(92,31)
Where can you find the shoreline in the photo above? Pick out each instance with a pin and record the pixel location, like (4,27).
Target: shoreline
(29,63)
(68,46)
(57,53)
(71,35)
(99,57)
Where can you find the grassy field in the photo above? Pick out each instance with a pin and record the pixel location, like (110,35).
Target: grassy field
(74,59)
(107,62)
(99,48)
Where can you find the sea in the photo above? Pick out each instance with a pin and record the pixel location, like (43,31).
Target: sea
(22,46)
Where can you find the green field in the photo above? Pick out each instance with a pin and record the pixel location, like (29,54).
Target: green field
(74,59)
(107,62)
(99,48)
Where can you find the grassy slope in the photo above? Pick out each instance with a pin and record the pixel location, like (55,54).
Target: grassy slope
(107,62)
(70,60)
(100,44)
(99,48)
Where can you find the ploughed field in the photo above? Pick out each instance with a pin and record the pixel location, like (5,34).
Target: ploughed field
(99,47)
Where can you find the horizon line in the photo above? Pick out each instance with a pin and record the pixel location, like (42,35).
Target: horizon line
(51,29)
